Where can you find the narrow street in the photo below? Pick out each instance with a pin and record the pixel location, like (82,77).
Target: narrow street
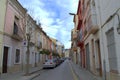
(62,72)
(80,37)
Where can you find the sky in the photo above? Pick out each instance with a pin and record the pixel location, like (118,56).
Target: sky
(54,17)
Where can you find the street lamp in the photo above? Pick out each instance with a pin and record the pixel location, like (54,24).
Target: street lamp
(71,13)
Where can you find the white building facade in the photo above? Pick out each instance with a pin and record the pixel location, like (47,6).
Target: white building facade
(110,38)
(101,21)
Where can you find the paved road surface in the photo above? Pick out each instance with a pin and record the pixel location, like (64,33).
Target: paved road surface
(62,72)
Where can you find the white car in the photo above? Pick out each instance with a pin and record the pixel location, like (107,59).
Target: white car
(49,64)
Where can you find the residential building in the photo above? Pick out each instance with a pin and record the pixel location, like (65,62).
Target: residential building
(44,40)
(2,23)
(80,37)
(50,47)
(99,36)
(67,52)
(13,37)
(45,45)
(38,44)
(31,39)
(109,22)
(74,45)
(21,39)
(59,48)
(91,38)
(54,44)
(75,38)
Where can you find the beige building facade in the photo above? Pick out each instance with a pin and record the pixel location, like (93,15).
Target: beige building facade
(2,23)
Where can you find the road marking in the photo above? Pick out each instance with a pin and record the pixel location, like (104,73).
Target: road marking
(73,73)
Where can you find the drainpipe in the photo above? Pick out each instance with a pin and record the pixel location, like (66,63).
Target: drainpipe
(104,62)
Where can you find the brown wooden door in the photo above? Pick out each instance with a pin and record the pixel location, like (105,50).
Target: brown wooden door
(5,59)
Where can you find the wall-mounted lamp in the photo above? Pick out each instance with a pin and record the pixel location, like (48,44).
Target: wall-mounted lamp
(118,27)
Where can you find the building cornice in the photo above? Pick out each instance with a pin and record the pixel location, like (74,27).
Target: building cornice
(18,7)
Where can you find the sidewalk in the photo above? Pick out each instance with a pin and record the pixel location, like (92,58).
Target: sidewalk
(83,74)
(20,75)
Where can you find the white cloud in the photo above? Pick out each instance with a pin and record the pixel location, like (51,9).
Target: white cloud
(54,17)
(68,45)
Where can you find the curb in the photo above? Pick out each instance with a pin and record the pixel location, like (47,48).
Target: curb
(74,71)
(22,76)
(94,77)
(34,73)
(34,76)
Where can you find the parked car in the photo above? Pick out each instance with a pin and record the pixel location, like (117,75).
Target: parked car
(49,64)
(62,60)
(57,61)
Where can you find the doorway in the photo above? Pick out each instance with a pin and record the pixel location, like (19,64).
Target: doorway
(93,55)
(5,59)
(87,57)
(99,69)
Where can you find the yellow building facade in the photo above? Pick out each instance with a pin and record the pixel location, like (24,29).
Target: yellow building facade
(2,19)
(54,42)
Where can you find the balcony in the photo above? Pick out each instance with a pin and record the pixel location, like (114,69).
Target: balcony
(74,45)
(17,37)
(17,33)
(92,26)
(79,24)
(74,36)
(74,48)
(80,39)
(80,44)
(39,45)
(80,35)
(31,43)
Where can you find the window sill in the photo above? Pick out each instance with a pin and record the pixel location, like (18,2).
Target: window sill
(17,63)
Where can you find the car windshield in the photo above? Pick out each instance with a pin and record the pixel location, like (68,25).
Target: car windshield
(49,61)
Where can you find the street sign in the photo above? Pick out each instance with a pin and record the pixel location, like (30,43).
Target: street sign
(24,43)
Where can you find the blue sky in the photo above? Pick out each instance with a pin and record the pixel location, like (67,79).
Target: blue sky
(54,17)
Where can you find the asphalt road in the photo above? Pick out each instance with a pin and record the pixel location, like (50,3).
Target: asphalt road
(62,72)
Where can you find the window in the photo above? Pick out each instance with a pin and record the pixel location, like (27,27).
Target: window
(93,3)
(15,31)
(17,56)
(16,22)
(80,35)
(39,58)
(111,50)
(87,56)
